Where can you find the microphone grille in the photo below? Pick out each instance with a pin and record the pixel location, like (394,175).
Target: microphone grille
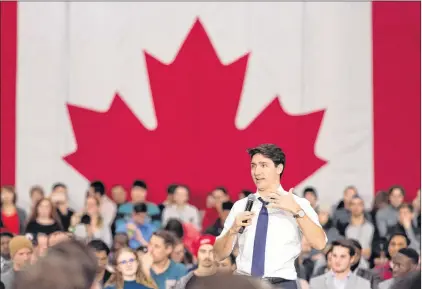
(251,197)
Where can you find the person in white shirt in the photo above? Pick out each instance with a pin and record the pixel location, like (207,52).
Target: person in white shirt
(107,207)
(271,240)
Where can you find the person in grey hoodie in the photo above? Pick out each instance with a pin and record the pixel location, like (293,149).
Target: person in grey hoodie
(388,216)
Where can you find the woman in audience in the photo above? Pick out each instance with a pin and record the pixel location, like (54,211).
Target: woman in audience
(44,219)
(129,274)
(12,217)
(89,225)
(36,193)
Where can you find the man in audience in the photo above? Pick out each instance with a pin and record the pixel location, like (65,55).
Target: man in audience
(359,227)
(6,263)
(311,195)
(405,261)
(108,208)
(101,252)
(388,216)
(119,196)
(204,251)
(361,267)
(218,226)
(68,265)
(228,265)
(340,275)
(137,229)
(341,213)
(406,225)
(157,262)
(181,209)
(212,213)
(59,197)
(20,251)
(138,194)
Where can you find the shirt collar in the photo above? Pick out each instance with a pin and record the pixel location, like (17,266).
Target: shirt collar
(334,274)
(279,189)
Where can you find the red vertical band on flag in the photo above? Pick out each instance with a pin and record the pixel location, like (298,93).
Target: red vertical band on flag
(8,44)
(397,95)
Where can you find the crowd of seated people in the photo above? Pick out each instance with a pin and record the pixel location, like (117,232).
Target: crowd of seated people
(139,244)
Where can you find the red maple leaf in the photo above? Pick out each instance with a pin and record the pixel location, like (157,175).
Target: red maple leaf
(196,141)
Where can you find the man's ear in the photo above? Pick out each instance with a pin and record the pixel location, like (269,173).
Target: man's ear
(280,169)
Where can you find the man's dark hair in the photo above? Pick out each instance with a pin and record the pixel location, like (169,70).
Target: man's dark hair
(58,185)
(98,187)
(400,188)
(227,206)
(6,234)
(67,265)
(171,188)
(99,246)
(399,233)
(406,206)
(310,190)
(356,244)
(140,184)
(140,208)
(175,226)
(270,151)
(411,254)
(345,244)
(223,189)
(169,238)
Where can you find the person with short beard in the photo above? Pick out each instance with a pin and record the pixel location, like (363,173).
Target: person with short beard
(101,251)
(207,267)
(20,251)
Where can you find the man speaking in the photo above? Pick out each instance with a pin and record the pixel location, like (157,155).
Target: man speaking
(271,240)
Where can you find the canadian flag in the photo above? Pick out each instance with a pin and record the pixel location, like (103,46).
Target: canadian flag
(177,93)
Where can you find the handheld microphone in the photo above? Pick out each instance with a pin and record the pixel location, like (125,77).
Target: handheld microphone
(248,208)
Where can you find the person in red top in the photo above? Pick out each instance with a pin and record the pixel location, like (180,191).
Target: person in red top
(214,206)
(12,217)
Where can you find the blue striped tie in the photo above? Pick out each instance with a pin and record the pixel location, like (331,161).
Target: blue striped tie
(258,257)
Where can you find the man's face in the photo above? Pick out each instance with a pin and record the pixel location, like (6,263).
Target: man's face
(22,257)
(206,256)
(226,266)
(340,259)
(4,241)
(181,196)
(311,198)
(397,243)
(139,218)
(138,195)
(119,194)
(396,198)
(120,241)
(402,265)
(36,197)
(102,259)
(405,214)
(264,172)
(158,249)
(220,196)
(178,253)
(348,195)
(356,207)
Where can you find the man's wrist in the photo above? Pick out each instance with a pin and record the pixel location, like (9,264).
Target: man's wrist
(296,209)
(233,231)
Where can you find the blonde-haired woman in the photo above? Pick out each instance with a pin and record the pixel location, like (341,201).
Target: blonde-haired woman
(89,225)
(129,273)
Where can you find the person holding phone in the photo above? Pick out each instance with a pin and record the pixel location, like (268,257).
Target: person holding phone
(89,225)
(59,198)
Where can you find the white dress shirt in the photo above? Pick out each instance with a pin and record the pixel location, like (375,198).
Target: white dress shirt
(283,243)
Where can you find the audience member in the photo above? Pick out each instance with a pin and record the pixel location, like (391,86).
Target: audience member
(59,197)
(157,262)
(138,229)
(361,267)
(6,262)
(67,265)
(341,212)
(90,225)
(36,193)
(101,252)
(108,208)
(228,265)
(388,216)
(13,218)
(20,251)
(244,194)
(43,220)
(340,275)
(181,209)
(218,225)
(311,195)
